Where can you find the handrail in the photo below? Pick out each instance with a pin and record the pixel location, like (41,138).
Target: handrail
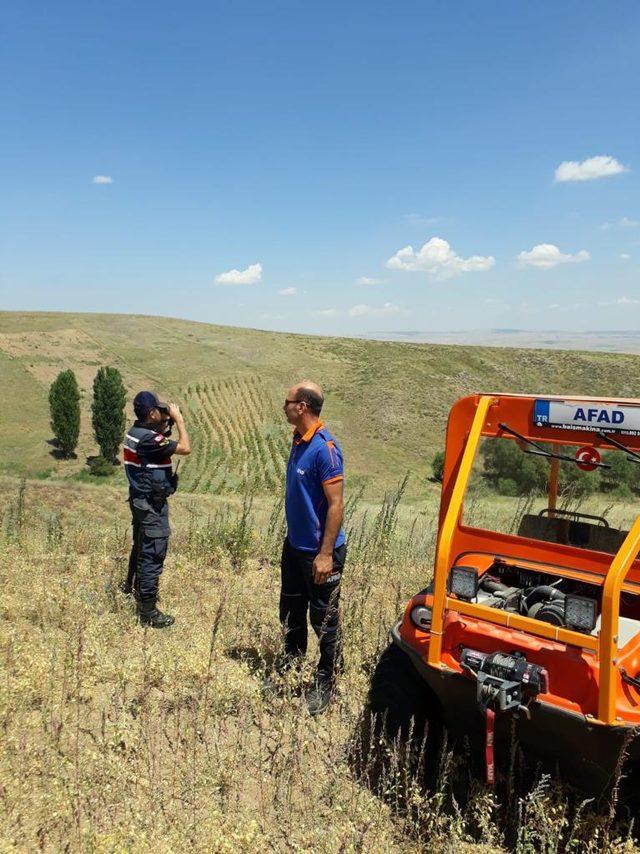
(608,650)
(553,485)
(447,530)
(523,624)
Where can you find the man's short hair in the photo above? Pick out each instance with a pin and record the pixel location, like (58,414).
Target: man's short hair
(313,400)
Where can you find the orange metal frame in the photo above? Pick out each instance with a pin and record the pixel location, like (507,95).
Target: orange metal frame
(472,418)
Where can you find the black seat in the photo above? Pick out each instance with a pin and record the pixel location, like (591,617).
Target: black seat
(571,532)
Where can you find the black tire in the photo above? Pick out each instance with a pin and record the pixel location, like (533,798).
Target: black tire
(401,721)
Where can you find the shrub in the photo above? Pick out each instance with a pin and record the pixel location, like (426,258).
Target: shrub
(100,467)
(507,486)
(512,471)
(237,537)
(623,492)
(64,407)
(574,481)
(437,466)
(508,469)
(107,410)
(622,477)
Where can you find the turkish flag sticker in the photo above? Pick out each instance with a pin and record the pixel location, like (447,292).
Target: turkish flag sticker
(587,458)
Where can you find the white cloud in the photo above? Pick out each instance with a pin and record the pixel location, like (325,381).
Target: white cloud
(362,310)
(588,170)
(546,255)
(625,256)
(250,276)
(421,221)
(623,222)
(102,179)
(288,292)
(368,280)
(573,307)
(326,312)
(437,258)
(619,301)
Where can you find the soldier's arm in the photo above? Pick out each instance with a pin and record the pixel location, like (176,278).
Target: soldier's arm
(183,448)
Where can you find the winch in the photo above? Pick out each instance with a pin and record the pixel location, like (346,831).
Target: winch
(504,681)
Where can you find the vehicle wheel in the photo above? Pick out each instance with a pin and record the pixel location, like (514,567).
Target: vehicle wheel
(628,800)
(402,726)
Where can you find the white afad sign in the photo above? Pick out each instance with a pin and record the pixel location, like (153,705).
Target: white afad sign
(587,415)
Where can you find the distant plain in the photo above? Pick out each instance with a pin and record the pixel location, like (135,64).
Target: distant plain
(597,341)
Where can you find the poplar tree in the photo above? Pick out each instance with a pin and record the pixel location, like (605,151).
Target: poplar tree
(107,412)
(64,409)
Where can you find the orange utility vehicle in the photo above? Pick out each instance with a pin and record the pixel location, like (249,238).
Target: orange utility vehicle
(533,616)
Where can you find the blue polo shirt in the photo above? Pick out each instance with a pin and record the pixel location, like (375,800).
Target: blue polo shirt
(315,458)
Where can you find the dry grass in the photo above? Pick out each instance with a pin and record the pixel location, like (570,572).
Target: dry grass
(116,738)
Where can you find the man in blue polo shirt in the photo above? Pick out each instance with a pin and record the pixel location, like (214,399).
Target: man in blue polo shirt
(314,550)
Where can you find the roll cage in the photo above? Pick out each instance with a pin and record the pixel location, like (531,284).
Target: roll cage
(497,416)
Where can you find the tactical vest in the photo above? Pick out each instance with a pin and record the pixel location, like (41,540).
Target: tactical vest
(153,481)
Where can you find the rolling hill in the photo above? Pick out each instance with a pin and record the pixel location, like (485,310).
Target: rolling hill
(118,738)
(387,402)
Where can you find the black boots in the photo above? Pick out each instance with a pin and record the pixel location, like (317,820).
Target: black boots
(320,695)
(157,620)
(149,615)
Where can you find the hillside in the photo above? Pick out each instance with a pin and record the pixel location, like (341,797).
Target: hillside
(116,738)
(387,402)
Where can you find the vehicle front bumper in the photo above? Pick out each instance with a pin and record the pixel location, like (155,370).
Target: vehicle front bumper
(586,751)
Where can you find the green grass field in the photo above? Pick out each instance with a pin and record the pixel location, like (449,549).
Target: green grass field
(386,402)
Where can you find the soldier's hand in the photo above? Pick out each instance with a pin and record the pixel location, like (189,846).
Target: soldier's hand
(174,412)
(322,568)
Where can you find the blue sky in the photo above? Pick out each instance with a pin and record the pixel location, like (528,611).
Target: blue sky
(150,150)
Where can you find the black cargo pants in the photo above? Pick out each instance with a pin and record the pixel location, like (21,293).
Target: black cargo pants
(299,594)
(149,548)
